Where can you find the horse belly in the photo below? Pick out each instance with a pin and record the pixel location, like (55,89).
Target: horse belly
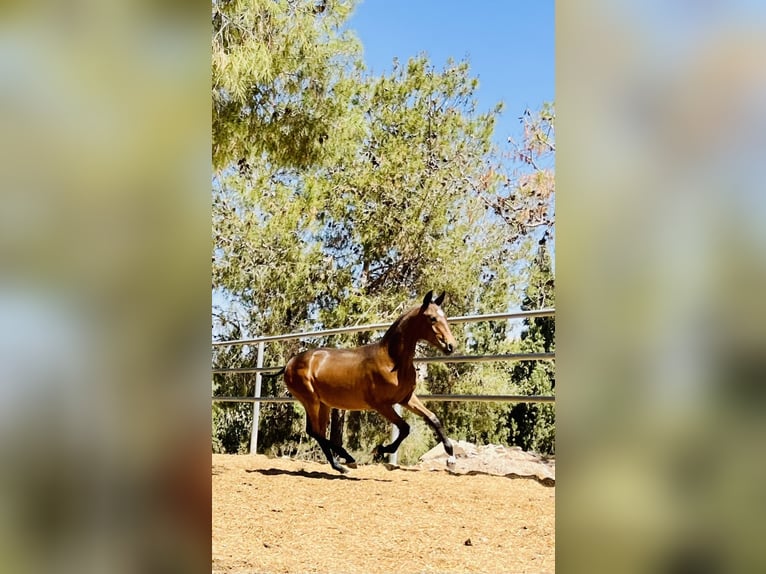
(339,399)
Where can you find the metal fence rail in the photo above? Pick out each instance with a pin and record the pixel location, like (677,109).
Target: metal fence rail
(444,359)
(434,398)
(380,326)
(260,370)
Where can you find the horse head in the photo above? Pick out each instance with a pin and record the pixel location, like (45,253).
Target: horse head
(435,328)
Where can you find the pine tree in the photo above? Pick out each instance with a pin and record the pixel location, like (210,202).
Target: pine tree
(280,85)
(532,425)
(364,237)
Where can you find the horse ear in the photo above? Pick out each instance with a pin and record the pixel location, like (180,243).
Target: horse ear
(426,301)
(440,298)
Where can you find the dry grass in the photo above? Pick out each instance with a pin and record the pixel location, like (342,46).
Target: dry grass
(278,515)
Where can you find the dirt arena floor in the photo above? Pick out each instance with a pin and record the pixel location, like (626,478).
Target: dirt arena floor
(275,515)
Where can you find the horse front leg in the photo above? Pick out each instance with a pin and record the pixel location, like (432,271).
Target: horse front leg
(404,429)
(419,408)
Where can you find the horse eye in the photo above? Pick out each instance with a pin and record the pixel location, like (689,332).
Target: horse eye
(433,319)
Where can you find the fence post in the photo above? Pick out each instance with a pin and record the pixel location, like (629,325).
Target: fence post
(257,404)
(393,456)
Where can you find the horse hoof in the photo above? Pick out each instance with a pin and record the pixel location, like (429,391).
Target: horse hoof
(451,462)
(351,464)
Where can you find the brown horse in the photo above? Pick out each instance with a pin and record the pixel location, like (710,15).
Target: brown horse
(372,377)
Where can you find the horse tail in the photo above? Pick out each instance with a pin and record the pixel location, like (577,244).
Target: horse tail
(279,372)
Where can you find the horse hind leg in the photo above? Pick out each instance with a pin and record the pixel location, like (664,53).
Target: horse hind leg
(316,430)
(317,414)
(337,448)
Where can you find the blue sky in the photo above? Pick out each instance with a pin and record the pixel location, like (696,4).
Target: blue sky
(509,44)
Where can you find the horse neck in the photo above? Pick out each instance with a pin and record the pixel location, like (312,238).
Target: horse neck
(400,340)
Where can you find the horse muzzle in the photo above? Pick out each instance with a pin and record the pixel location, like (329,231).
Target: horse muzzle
(448,348)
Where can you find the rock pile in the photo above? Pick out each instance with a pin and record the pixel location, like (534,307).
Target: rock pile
(492,459)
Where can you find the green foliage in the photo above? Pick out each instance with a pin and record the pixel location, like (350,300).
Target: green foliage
(532,425)
(279,77)
(340,197)
(231,427)
(398,210)
(478,422)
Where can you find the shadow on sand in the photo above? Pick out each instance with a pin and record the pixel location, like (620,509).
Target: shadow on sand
(311,474)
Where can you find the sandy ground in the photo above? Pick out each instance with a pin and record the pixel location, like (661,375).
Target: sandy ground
(280,515)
